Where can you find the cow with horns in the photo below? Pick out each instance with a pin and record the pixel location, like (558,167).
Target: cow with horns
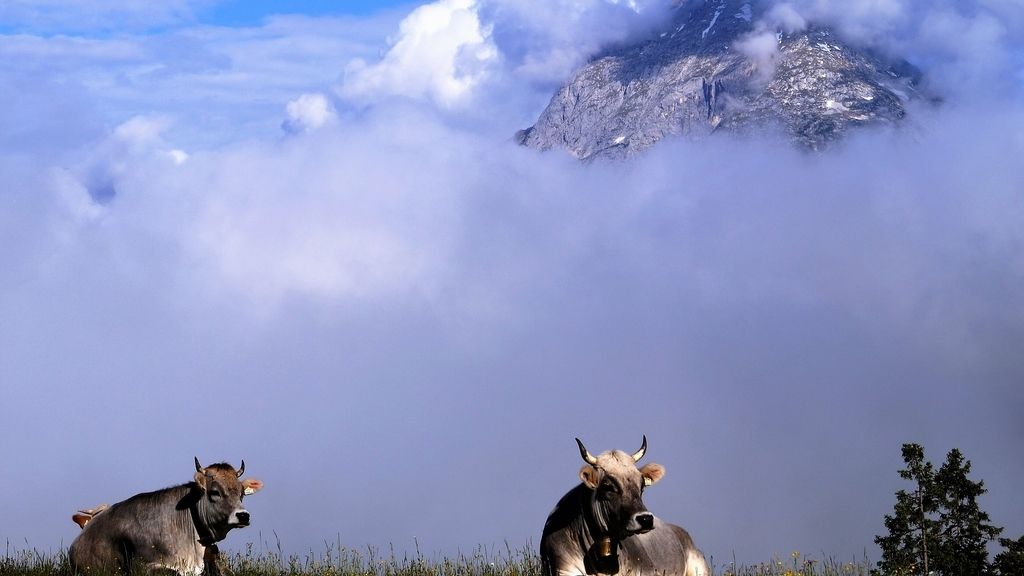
(602,526)
(175,528)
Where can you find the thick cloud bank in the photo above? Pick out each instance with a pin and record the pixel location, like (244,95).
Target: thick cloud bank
(400,319)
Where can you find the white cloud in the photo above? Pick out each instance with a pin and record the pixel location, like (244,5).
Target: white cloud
(447,49)
(309,112)
(141,132)
(135,145)
(785,18)
(763,49)
(178,156)
(75,202)
(323,216)
(442,52)
(218,84)
(966,50)
(956,43)
(761,45)
(543,41)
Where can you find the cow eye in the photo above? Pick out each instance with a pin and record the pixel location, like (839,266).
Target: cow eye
(608,489)
(215,494)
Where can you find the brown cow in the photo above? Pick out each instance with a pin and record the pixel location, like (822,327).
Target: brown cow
(175,528)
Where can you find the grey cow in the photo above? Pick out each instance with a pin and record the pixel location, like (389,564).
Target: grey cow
(175,528)
(603,527)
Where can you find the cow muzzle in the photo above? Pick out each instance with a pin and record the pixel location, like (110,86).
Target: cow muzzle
(239,518)
(641,522)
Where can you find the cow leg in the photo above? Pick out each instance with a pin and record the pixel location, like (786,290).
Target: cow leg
(213,562)
(96,556)
(157,570)
(574,567)
(696,565)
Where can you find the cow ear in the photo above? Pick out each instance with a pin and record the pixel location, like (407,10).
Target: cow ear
(251,486)
(201,481)
(84,516)
(652,473)
(589,476)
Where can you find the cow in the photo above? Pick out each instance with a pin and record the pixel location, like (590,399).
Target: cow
(174,529)
(602,526)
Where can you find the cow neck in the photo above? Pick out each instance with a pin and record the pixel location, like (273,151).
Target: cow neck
(596,531)
(600,548)
(204,534)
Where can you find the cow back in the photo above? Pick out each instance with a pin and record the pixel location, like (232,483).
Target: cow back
(154,528)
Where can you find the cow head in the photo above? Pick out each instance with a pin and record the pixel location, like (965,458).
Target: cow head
(219,506)
(617,487)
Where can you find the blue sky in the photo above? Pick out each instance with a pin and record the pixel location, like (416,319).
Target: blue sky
(111,17)
(308,241)
(249,12)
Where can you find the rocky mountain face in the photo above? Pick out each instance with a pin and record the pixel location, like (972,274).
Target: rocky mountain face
(719,68)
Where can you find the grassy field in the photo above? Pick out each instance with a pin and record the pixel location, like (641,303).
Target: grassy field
(338,561)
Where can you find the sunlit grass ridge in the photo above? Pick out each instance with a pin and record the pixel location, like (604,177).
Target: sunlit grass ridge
(336,560)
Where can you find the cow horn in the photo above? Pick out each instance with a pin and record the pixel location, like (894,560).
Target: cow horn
(241,469)
(586,455)
(199,468)
(640,453)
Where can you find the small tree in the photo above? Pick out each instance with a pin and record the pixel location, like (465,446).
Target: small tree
(1010,562)
(966,528)
(938,526)
(912,525)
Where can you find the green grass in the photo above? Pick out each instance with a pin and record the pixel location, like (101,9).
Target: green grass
(31,562)
(340,561)
(795,565)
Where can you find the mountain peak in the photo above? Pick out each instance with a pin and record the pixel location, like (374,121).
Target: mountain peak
(721,67)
